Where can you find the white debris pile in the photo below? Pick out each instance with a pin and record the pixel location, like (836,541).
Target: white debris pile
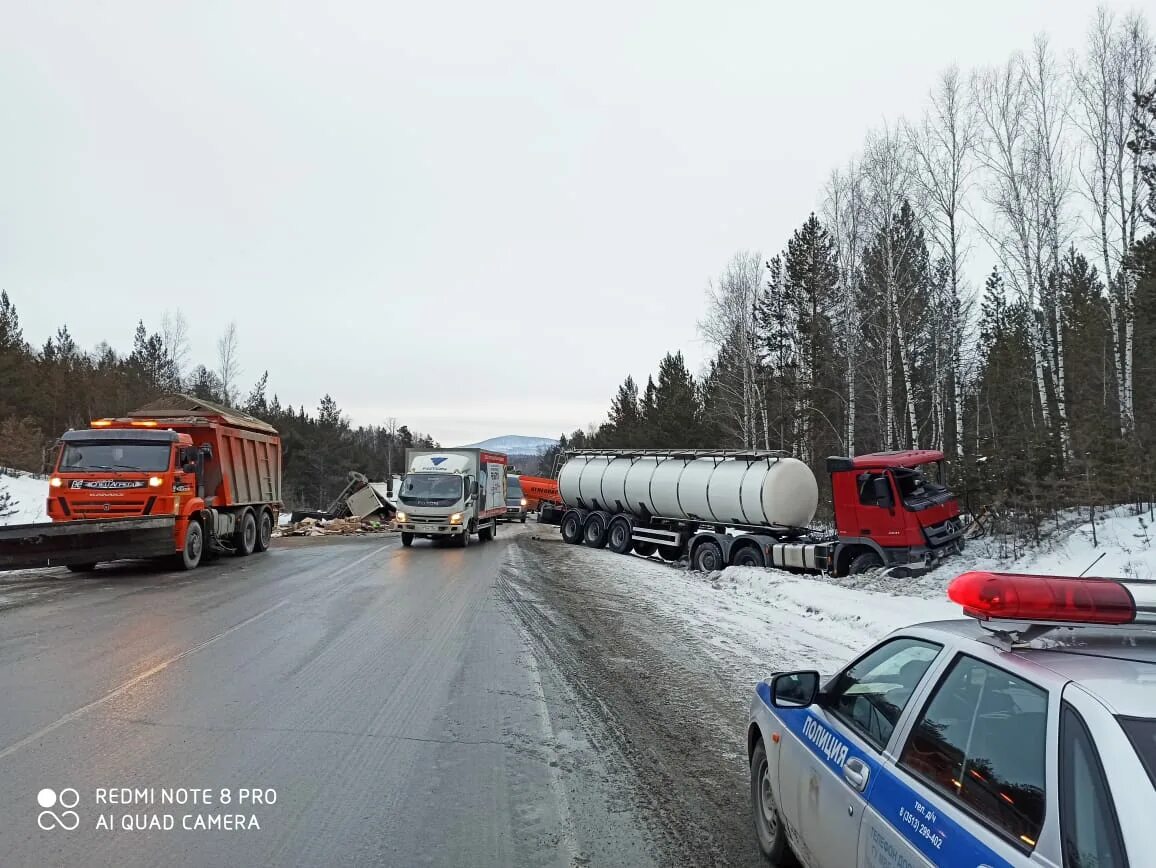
(28,497)
(334,527)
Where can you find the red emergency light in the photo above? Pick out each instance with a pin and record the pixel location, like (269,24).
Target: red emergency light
(1018,597)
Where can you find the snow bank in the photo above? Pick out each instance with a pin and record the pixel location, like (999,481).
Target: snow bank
(29,494)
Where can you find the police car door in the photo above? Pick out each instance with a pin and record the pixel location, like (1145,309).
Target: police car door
(968,784)
(834,749)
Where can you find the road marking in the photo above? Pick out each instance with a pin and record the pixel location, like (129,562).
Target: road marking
(160,667)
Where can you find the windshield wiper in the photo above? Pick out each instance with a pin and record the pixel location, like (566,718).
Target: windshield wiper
(107,467)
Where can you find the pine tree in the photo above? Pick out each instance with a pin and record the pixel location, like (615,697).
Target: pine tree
(204,384)
(256,404)
(625,416)
(674,421)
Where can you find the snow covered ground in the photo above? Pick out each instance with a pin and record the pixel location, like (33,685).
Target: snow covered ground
(29,494)
(772,616)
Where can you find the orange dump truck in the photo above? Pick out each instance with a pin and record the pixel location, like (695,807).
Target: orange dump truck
(179,478)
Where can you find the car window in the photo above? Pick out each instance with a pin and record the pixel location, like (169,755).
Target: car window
(1141,732)
(870,694)
(980,741)
(1091,832)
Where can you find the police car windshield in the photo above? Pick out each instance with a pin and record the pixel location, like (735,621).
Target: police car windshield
(138,457)
(1142,733)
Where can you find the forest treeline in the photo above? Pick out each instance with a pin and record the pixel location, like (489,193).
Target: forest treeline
(47,390)
(867,332)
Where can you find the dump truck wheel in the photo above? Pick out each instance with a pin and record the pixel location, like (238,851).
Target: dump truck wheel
(264,531)
(407,539)
(81,568)
(594,531)
(864,562)
(246,538)
(190,556)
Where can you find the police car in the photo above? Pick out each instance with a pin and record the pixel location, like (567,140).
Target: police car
(1025,736)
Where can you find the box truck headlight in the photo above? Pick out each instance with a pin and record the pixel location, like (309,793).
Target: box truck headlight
(523,501)
(156,481)
(456,518)
(401,516)
(56,482)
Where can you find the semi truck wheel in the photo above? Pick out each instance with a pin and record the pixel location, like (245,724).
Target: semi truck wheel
(749,556)
(406,539)
(619,536)
(707,557)
(594,531)
(190,556)
(572,527)
(246,539)
(264,531)
(864,562)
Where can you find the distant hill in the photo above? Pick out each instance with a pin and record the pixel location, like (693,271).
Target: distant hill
(515,444)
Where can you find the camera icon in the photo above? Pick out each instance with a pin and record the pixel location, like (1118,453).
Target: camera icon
(67,819)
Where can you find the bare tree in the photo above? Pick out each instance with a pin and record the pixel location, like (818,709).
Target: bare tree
(943,146)
(175,339)
(845,212)
(1117,63)
(887,172)
(228,364)
(730,326)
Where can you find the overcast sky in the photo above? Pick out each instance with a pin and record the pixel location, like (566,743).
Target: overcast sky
(474,217)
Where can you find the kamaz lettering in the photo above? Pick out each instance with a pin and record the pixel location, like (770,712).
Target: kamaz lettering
(825,741)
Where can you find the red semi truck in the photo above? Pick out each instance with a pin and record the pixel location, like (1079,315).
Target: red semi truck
(751,508)
(180,477)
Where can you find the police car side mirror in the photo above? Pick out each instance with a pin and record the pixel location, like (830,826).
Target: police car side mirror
(795,689)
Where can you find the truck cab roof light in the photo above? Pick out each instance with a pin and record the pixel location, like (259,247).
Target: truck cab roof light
(1048,599)
(143,423)
(101,423)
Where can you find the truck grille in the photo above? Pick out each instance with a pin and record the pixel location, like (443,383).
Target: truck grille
(942,534)
(99,508)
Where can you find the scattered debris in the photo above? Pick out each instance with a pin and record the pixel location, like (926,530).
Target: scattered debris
(310,526)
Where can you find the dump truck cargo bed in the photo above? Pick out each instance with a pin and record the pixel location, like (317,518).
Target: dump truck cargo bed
(53,544)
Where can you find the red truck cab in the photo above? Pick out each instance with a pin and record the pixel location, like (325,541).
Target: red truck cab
(889,509)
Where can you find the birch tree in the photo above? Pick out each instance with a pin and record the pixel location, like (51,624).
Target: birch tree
(943,146)
(228,363)
(1117,63)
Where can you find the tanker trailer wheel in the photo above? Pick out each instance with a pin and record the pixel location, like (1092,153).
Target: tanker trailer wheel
(572,527)
(619,536)
(670,554)
(264,531)
(862,563)
(190,556)
(594,531)
(245,540)
(749,556)
(707,557)
(645,549)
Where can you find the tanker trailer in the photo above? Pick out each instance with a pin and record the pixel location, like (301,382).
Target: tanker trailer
(752,508)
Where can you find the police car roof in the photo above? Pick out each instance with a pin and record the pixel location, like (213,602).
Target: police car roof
(1115,664)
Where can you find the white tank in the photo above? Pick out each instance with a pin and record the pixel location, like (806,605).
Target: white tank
(772,490)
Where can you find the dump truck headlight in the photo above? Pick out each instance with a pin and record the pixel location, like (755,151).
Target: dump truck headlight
(401,516)
(56,482)
(523,501)
(156,481)
(456,518)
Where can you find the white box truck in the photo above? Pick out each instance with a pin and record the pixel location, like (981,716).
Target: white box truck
(451,493)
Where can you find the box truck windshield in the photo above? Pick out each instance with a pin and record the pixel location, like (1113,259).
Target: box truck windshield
(432,489)
(140,457)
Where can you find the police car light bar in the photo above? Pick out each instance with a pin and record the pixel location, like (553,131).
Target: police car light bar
(1053,599)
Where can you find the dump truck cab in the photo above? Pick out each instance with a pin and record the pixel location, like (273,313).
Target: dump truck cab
(895,506)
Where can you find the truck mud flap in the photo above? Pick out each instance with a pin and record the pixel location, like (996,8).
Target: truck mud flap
(27,546)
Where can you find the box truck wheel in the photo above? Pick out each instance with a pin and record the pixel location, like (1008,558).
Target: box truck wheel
(190,556)
(264,531)
(463,539)
(572,527)
(619,536)
(406,539)
(594,530)
(245,539)
(486,534)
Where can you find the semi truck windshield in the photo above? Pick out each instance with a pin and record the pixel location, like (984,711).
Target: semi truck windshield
(103,455)
(432,489)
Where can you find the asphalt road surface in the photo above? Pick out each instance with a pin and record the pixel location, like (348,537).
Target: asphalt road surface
(347,701)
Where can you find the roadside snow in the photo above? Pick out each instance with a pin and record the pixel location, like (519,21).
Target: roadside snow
(29,494)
